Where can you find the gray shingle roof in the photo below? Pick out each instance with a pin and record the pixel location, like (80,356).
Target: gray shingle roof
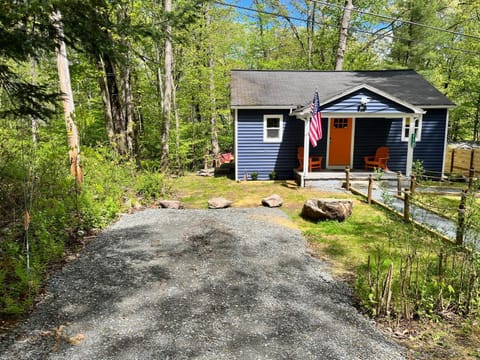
(294,88)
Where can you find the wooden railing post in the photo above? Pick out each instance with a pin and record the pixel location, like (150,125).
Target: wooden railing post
(347,178)
(413,180)
(461,219)
(406,206)
(471,175)
(370,188)
(399,183)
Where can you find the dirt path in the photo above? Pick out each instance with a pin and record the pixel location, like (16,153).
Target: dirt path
(202,284)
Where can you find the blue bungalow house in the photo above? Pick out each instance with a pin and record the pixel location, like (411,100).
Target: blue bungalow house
(361,112)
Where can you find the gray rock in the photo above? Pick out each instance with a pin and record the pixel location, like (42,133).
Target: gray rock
(327,209)
(219,203)
(171,204)
(272,201)
(206,172)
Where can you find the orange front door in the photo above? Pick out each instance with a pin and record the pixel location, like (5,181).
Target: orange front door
(340,141)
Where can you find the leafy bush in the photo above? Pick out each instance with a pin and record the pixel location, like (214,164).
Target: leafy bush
(38,178)
(151,186)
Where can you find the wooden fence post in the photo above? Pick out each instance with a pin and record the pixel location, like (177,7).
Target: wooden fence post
(452,161)
(461,219)
(370,188)
(471,175)
(413,179)
(406,206)
(399,183)
(347,178)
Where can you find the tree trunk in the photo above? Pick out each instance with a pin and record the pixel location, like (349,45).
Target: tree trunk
(261,28)
(118,115)
(342,38)
(34,125)
(177,132)
(107,107)
(129,105)
(213,108)
(310,31)
(167,100)
(476,121)
(67,95)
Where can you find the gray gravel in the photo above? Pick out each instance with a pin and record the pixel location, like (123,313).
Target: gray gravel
(197,284)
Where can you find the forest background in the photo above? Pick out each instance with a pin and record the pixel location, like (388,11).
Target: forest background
(145,94)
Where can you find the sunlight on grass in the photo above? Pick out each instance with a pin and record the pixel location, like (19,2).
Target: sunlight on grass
(345,244)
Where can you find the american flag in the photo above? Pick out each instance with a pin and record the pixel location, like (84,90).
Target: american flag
(315,130)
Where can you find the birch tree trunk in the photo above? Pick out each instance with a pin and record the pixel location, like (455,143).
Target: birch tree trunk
(342,38)
(213,104)
(34,125)
(167,100)
(67,95)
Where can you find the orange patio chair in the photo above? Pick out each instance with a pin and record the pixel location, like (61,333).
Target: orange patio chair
(379,160)
(314,161)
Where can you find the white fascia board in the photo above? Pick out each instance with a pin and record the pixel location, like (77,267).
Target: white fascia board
(235,139)
(438,106)
(262,107)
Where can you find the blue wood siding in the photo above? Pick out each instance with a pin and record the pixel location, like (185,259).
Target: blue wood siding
(255,155)
(377,104)
(371,133)
(431,147)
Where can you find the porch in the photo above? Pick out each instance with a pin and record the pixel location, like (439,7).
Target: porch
(337,177)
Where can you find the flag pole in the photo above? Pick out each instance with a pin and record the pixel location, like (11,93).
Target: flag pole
(306,149)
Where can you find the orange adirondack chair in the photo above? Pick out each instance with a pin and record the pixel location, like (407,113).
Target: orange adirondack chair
(314,161)
(379,160)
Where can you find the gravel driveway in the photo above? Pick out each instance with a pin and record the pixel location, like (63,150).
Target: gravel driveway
(201,284)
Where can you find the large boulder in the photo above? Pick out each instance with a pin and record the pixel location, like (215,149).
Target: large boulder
(272,201)
(171,204)
(219,203)
(327,209)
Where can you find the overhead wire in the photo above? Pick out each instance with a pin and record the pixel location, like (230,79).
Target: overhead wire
(357,30)
(386,17)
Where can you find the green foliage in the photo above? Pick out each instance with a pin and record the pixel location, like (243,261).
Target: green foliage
(412,275)
(57,209)
(151,186)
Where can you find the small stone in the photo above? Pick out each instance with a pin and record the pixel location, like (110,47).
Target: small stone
(171,204)
(327,209)
(272,201)
(219,203)
(206,172)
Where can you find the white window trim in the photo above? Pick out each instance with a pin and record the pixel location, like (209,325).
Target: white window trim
(418,134)
(280,133)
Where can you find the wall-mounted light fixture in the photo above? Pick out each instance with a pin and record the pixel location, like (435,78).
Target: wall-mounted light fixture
(362,107)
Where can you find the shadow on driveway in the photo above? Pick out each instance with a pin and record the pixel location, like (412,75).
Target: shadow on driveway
(203,284)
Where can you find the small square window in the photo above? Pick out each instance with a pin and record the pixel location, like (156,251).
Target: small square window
(272,128)
(417,128)
(340,123)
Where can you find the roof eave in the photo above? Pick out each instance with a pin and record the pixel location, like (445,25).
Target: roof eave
(263,107)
